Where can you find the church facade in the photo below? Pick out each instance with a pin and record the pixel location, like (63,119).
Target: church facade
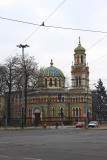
(53,102)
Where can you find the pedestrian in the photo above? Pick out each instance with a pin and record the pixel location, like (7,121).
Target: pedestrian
(56,124)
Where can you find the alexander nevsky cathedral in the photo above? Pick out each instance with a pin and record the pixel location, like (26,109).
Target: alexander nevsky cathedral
(53,102)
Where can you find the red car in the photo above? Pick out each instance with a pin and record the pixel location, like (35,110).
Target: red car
(80,124)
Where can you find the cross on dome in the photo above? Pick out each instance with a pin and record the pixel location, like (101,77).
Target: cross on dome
(79,42)
(51,63)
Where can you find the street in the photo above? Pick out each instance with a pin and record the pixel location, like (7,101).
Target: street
(51,144)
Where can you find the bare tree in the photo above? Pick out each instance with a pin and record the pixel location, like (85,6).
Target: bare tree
(7,77)
(30,76)
(11,79)
(40,78)
(3,87)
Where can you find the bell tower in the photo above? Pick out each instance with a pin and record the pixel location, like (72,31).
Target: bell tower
(79,70)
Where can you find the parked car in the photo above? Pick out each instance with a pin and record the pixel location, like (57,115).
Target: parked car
(80,124)
(93,124)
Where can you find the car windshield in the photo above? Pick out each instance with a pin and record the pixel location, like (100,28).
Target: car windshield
(80,122)
(93,122)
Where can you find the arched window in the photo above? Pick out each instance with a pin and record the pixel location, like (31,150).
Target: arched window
(81,99)
(41,99)
(56,99)
(62,112)
(59,82)
(79,112)
(73,112)
(50,82)
(76,81)
(79,81)
(53,112)
(74,99)
(55,82)
(77,59)
(71,99)
(81,59)
(30,112)
(33,100)
(76,112)
(45,82)
(45,99)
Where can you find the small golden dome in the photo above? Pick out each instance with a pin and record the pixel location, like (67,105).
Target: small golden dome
(79,49)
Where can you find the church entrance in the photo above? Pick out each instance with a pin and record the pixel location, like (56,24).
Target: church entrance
(37,117)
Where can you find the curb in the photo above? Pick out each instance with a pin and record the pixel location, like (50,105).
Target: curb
(51,127)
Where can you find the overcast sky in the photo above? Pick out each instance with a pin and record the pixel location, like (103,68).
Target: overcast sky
(48,43)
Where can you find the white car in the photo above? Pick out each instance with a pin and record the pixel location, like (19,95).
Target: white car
(93,124)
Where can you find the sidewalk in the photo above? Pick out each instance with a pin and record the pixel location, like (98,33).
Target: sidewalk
(101,127)
(34,128)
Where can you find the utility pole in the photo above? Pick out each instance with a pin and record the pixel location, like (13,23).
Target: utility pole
(23,78)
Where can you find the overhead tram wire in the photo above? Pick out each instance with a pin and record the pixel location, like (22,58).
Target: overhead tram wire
(76,29)
(97,42)
(54,11)
(56,27)
(19,21)
(39,25)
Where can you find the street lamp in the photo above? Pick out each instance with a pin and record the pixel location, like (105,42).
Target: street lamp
(23,47)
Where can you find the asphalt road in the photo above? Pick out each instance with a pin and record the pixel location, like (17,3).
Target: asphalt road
(54,144)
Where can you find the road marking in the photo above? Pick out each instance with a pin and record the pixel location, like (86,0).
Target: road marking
(4,142)
(3,156)
(32,159)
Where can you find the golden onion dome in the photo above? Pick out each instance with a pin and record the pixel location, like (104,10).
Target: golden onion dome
(52,71)
(79,49)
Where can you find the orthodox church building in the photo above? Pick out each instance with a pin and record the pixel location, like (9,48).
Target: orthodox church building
(53,102)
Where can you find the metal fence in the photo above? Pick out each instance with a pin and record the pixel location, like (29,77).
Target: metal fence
(17,122)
